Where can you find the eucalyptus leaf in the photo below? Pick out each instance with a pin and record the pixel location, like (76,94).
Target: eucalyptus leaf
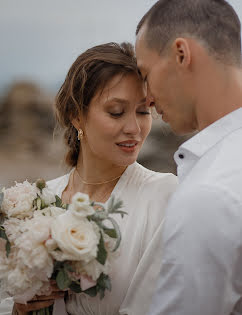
(110,232)
(116,227)
(91,292)
(58,201)
(8,248)
(102,253)
(38,203)
(1,198)
(114,205)
(4,236)
(68,267)
(43,205)
(75,287)
(104,282)
(98,216)
(63,281)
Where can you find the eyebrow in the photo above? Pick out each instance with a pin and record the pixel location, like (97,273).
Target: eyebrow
(123,101)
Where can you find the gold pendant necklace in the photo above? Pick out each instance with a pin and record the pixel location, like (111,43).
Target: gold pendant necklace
(98,183)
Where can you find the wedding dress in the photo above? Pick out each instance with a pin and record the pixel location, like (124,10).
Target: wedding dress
(145,195)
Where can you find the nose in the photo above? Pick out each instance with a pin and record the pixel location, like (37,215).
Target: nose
(150,101)
(132,125)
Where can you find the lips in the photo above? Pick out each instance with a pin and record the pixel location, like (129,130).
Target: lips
(128,145)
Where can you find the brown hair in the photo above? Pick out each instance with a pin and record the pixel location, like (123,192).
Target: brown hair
(89,74)
(213,22)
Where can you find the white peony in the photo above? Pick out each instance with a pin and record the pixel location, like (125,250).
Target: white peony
(77,238)
(12,228)
(49,211)
(80,205)
(32,253)
(47,196)
(18,200)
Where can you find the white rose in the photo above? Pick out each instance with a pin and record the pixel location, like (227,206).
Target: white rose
(47,196)
(80,205)
(77,238)
(18,200)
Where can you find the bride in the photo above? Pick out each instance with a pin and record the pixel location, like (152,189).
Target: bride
(102,108)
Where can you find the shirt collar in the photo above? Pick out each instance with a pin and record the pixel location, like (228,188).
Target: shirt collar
(199,144)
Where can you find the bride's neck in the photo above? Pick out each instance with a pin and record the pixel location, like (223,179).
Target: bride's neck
(96,178)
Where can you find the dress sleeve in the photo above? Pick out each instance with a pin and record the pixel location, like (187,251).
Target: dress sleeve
(6,304)
(141,289)
(201,262)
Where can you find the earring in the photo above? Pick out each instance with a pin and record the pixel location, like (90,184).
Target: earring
(80,134)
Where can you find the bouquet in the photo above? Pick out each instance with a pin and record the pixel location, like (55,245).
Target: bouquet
(42,239)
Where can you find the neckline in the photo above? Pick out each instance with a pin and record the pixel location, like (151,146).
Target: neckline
(117,188)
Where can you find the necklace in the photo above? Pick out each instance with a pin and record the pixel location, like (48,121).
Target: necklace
(98,183)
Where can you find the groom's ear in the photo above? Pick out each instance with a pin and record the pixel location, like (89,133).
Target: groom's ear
(182,52)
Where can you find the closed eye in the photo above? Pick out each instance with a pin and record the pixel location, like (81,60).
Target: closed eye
(116,114)
(145,113)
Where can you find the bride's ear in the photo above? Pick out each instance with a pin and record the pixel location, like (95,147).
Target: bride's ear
(76,122)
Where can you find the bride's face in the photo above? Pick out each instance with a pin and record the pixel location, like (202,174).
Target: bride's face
(118,121)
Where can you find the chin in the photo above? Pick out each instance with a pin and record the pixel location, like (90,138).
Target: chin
(126,162)
(182,130)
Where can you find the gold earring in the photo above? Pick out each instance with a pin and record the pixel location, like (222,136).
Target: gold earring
(80,134)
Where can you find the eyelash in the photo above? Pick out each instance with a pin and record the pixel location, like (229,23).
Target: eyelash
(120,114)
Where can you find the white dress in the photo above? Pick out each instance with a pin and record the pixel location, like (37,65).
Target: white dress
(145,195)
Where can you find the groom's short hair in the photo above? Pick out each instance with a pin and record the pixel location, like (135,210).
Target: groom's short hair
(213,22)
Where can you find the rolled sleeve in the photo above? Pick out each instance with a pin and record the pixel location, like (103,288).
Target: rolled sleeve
(201,253)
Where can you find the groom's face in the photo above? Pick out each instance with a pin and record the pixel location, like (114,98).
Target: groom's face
(166,87)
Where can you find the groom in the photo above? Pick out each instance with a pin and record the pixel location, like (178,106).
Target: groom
(189,54)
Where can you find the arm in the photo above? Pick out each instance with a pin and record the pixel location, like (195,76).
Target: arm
(201,262)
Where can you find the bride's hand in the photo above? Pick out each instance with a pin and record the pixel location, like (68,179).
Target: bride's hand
(39,301)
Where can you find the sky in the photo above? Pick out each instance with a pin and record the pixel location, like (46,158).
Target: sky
(41,39)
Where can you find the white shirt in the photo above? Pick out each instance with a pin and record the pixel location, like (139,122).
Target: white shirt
(145,195)
(201,271)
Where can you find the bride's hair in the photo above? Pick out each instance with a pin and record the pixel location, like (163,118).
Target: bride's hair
(89,74)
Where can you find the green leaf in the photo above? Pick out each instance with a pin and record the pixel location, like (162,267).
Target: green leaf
(38,203)
(4,236)
(110,232)
(104,282)
(116,227)
(8,248)
(58,201)
(91,292)
(63,281)
(75,287)
(98,216)
(43,205)
(1,198)
(102,253)
(114,205)
(68,267)
(121,212)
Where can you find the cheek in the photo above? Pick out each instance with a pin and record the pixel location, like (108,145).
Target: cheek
(102,128)
(146,127)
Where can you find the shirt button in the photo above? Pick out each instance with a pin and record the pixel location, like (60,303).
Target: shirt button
(181,156)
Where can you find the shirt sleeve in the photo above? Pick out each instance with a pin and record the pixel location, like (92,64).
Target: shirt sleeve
(139,295)
(201,254)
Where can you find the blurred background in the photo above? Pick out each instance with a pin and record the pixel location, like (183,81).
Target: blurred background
(39,42)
